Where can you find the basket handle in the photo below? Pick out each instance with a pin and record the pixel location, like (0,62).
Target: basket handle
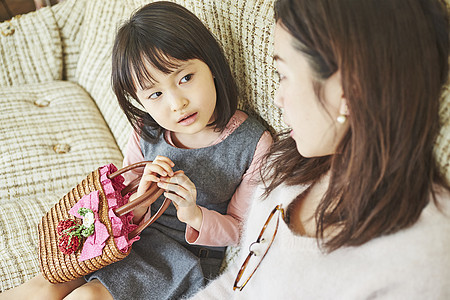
(147,198)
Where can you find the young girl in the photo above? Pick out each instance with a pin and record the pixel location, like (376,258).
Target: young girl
(353,205)
(204,155)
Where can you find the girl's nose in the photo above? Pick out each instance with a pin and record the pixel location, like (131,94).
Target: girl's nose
(178,103)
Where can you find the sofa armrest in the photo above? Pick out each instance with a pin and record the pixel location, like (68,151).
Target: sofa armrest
(30,49)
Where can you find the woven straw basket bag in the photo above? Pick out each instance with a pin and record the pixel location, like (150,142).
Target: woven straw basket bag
(90,227)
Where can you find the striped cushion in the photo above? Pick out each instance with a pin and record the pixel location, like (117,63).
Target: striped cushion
(442,145)
(30,49)
(51,136)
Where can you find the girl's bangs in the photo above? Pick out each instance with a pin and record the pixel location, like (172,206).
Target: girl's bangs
(140,62)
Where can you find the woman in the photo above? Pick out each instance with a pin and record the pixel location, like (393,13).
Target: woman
(357,206)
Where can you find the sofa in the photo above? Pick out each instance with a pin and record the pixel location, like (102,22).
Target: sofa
(59,119)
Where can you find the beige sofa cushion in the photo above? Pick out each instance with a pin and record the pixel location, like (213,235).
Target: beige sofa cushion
(93,71)
(30,49)
(69,16)
(52,135)
(442,145)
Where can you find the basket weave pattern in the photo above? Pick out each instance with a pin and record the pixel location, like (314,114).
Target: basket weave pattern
(58,267)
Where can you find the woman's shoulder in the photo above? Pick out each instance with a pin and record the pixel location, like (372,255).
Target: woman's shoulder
(417,257)
(428,237)
(433,224)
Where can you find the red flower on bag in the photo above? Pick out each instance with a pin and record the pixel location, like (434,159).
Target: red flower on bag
(66,224)
(68,244)
(71,233)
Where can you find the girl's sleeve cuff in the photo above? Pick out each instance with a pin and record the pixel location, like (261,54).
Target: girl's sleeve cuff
(193,236)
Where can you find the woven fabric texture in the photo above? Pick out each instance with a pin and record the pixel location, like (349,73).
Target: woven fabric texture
(442,145)
(51,136)
(94,67)
(69,18)
(58,267)
(30,49)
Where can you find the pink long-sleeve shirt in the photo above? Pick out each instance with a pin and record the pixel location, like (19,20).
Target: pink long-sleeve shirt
(216,229)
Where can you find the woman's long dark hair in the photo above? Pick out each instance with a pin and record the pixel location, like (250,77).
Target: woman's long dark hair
(158,33)
(392,56)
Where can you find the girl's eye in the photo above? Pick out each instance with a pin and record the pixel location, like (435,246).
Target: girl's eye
(186,78)
(155,95)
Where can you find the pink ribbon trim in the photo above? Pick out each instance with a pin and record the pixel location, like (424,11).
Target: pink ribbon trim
(121,226)
(94,244)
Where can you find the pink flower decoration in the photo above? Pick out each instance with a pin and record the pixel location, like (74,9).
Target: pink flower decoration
(94,244)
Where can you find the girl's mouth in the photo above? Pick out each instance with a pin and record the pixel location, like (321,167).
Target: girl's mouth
(188,119)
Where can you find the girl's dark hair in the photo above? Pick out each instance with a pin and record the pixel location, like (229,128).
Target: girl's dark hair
(392,56)
(161,33)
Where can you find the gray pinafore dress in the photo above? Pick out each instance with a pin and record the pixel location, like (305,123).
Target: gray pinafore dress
(162,265)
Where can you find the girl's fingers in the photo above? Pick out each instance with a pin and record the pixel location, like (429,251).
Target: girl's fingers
(176,199)
(177,183)
(150,177)
(146,181)
(181,179)
(181,186)
(174,204)
(143,185)
(164,159)
(156,171)
(161,168)
(165,163)
(167,169)
(171,187)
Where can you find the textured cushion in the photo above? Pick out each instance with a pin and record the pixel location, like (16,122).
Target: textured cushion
(442,146)
(52,136)
(93,72)
(69,16)
(30,49)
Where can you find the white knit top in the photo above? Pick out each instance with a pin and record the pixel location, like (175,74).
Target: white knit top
(411,264)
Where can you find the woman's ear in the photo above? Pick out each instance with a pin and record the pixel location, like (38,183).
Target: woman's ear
(343,111)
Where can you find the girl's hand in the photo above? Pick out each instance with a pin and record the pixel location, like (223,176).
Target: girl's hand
(159,169)
(181,190)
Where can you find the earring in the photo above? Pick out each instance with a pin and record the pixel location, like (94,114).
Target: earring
(341,119)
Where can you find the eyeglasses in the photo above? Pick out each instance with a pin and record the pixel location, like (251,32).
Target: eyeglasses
(260,246)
